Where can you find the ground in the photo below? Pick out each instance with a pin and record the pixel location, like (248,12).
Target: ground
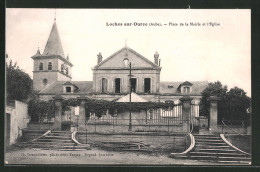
(93,156)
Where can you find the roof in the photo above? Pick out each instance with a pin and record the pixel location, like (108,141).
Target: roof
(85,87)
(57,87)
(197,87)
(127,49)
(134,98)
(53,45)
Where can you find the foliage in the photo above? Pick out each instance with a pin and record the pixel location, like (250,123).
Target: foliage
(19,84)
(39,109)
(232,104)
(213,89)
(100,107)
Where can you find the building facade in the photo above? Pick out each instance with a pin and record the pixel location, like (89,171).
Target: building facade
(111,79)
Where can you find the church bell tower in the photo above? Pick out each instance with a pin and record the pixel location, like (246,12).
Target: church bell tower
(51,65)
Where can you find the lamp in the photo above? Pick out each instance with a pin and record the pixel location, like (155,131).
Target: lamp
(126,62)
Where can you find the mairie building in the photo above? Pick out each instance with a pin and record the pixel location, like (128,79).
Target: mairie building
(52,76)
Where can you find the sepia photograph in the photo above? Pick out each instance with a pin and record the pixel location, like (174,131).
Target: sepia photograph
(128,87)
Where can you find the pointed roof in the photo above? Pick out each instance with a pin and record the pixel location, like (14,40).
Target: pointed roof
(53,45)
(134,98)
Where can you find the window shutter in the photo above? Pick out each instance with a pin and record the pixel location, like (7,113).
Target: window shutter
(113,85)
(106,83)
(121,84)
(100,85)
(143,86)
(152,85)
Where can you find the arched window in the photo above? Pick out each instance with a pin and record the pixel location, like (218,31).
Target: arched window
(49,66)
(41,66)
(45,81)
(62,68)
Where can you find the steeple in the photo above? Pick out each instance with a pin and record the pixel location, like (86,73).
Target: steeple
(38,52)
(53,45)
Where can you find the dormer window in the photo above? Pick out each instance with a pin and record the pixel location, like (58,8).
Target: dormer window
(68,89)
(41,66)
(186,89)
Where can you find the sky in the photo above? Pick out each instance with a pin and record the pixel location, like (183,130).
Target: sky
(214,52)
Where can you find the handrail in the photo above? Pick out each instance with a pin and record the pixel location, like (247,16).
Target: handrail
(187,150)
(192,144)
(233,130)
(73,137)
(230,144)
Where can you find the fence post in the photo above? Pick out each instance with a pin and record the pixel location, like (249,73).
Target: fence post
(86,135)
(168,124)
(186,109)
(82,112)
(58,112)
(213,116)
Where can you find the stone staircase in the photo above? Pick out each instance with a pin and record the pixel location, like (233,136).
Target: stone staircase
(213,148)
(57,140)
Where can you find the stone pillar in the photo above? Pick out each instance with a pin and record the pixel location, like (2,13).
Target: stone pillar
(58,112)
(213,114)
(186,110)
(82,113)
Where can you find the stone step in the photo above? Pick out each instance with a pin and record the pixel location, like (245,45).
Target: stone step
(211,143)
(51,143)
(212,146)
(208,140)
(60,134)
(55,140)
(214,150)
(198,157)
(236,162)
(217,154)
(234,158)
(227,162)
(57,137)
(55,131)
(206,137)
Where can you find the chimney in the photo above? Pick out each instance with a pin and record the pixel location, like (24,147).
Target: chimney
(156,56)
(99,58)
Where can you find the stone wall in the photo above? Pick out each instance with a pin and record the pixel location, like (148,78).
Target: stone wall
(18,120)
(224,130)
(177,143)
(29,135)
(108,128)
(241,142)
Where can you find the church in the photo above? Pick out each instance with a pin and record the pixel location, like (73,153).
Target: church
(111,76)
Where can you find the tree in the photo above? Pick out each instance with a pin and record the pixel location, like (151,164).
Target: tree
(19,84)
(238,104)
(232,104)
